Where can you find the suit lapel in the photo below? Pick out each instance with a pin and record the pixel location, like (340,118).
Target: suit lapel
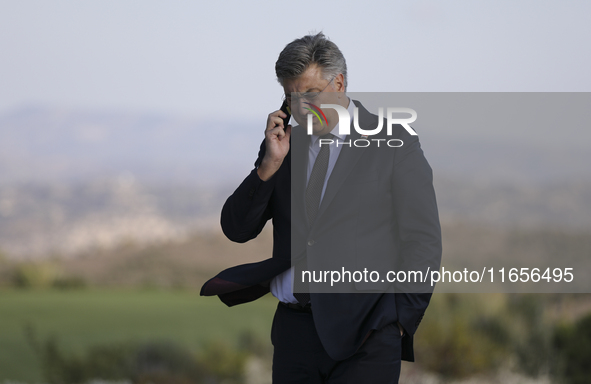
(345,163)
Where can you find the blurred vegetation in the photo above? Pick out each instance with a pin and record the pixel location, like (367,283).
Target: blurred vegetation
(458,339)
(572,345)
(79,324)
(100,327)
(38,275)
(170,337)
(464,335)
(177,265)
(154,362)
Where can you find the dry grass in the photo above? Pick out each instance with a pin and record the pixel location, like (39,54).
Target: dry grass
(181,264)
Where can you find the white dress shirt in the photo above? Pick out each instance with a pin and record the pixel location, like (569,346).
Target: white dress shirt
(282,285)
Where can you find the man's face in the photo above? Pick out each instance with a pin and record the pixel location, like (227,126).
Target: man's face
(311,87)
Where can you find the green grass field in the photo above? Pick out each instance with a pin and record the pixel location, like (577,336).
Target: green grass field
(82,318)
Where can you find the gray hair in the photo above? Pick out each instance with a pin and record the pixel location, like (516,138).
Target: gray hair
(300,54)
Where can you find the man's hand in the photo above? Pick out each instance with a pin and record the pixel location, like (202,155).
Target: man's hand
(401,329)
(276,143)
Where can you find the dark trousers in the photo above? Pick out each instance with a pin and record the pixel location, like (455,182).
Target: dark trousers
(299,356)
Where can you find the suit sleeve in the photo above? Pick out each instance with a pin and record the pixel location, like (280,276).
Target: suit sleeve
(418,227)
(247,210)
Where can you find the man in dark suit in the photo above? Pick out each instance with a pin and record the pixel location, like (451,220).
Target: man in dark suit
(333,205)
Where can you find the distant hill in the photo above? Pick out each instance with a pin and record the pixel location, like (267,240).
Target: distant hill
(41,144)
(74,180)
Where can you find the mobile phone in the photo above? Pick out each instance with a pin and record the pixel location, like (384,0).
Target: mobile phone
(287,111)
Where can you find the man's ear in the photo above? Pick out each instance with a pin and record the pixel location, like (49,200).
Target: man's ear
(339,83)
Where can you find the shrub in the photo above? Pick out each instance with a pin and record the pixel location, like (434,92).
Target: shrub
(463,334)
(572,344)
(70,282)
(35,274)
(223,362)
(157,362)
(456,338)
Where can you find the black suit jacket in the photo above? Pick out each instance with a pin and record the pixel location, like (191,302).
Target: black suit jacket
(385,193)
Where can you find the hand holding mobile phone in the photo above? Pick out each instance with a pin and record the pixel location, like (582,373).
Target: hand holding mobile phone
(277,144)
(285,109)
